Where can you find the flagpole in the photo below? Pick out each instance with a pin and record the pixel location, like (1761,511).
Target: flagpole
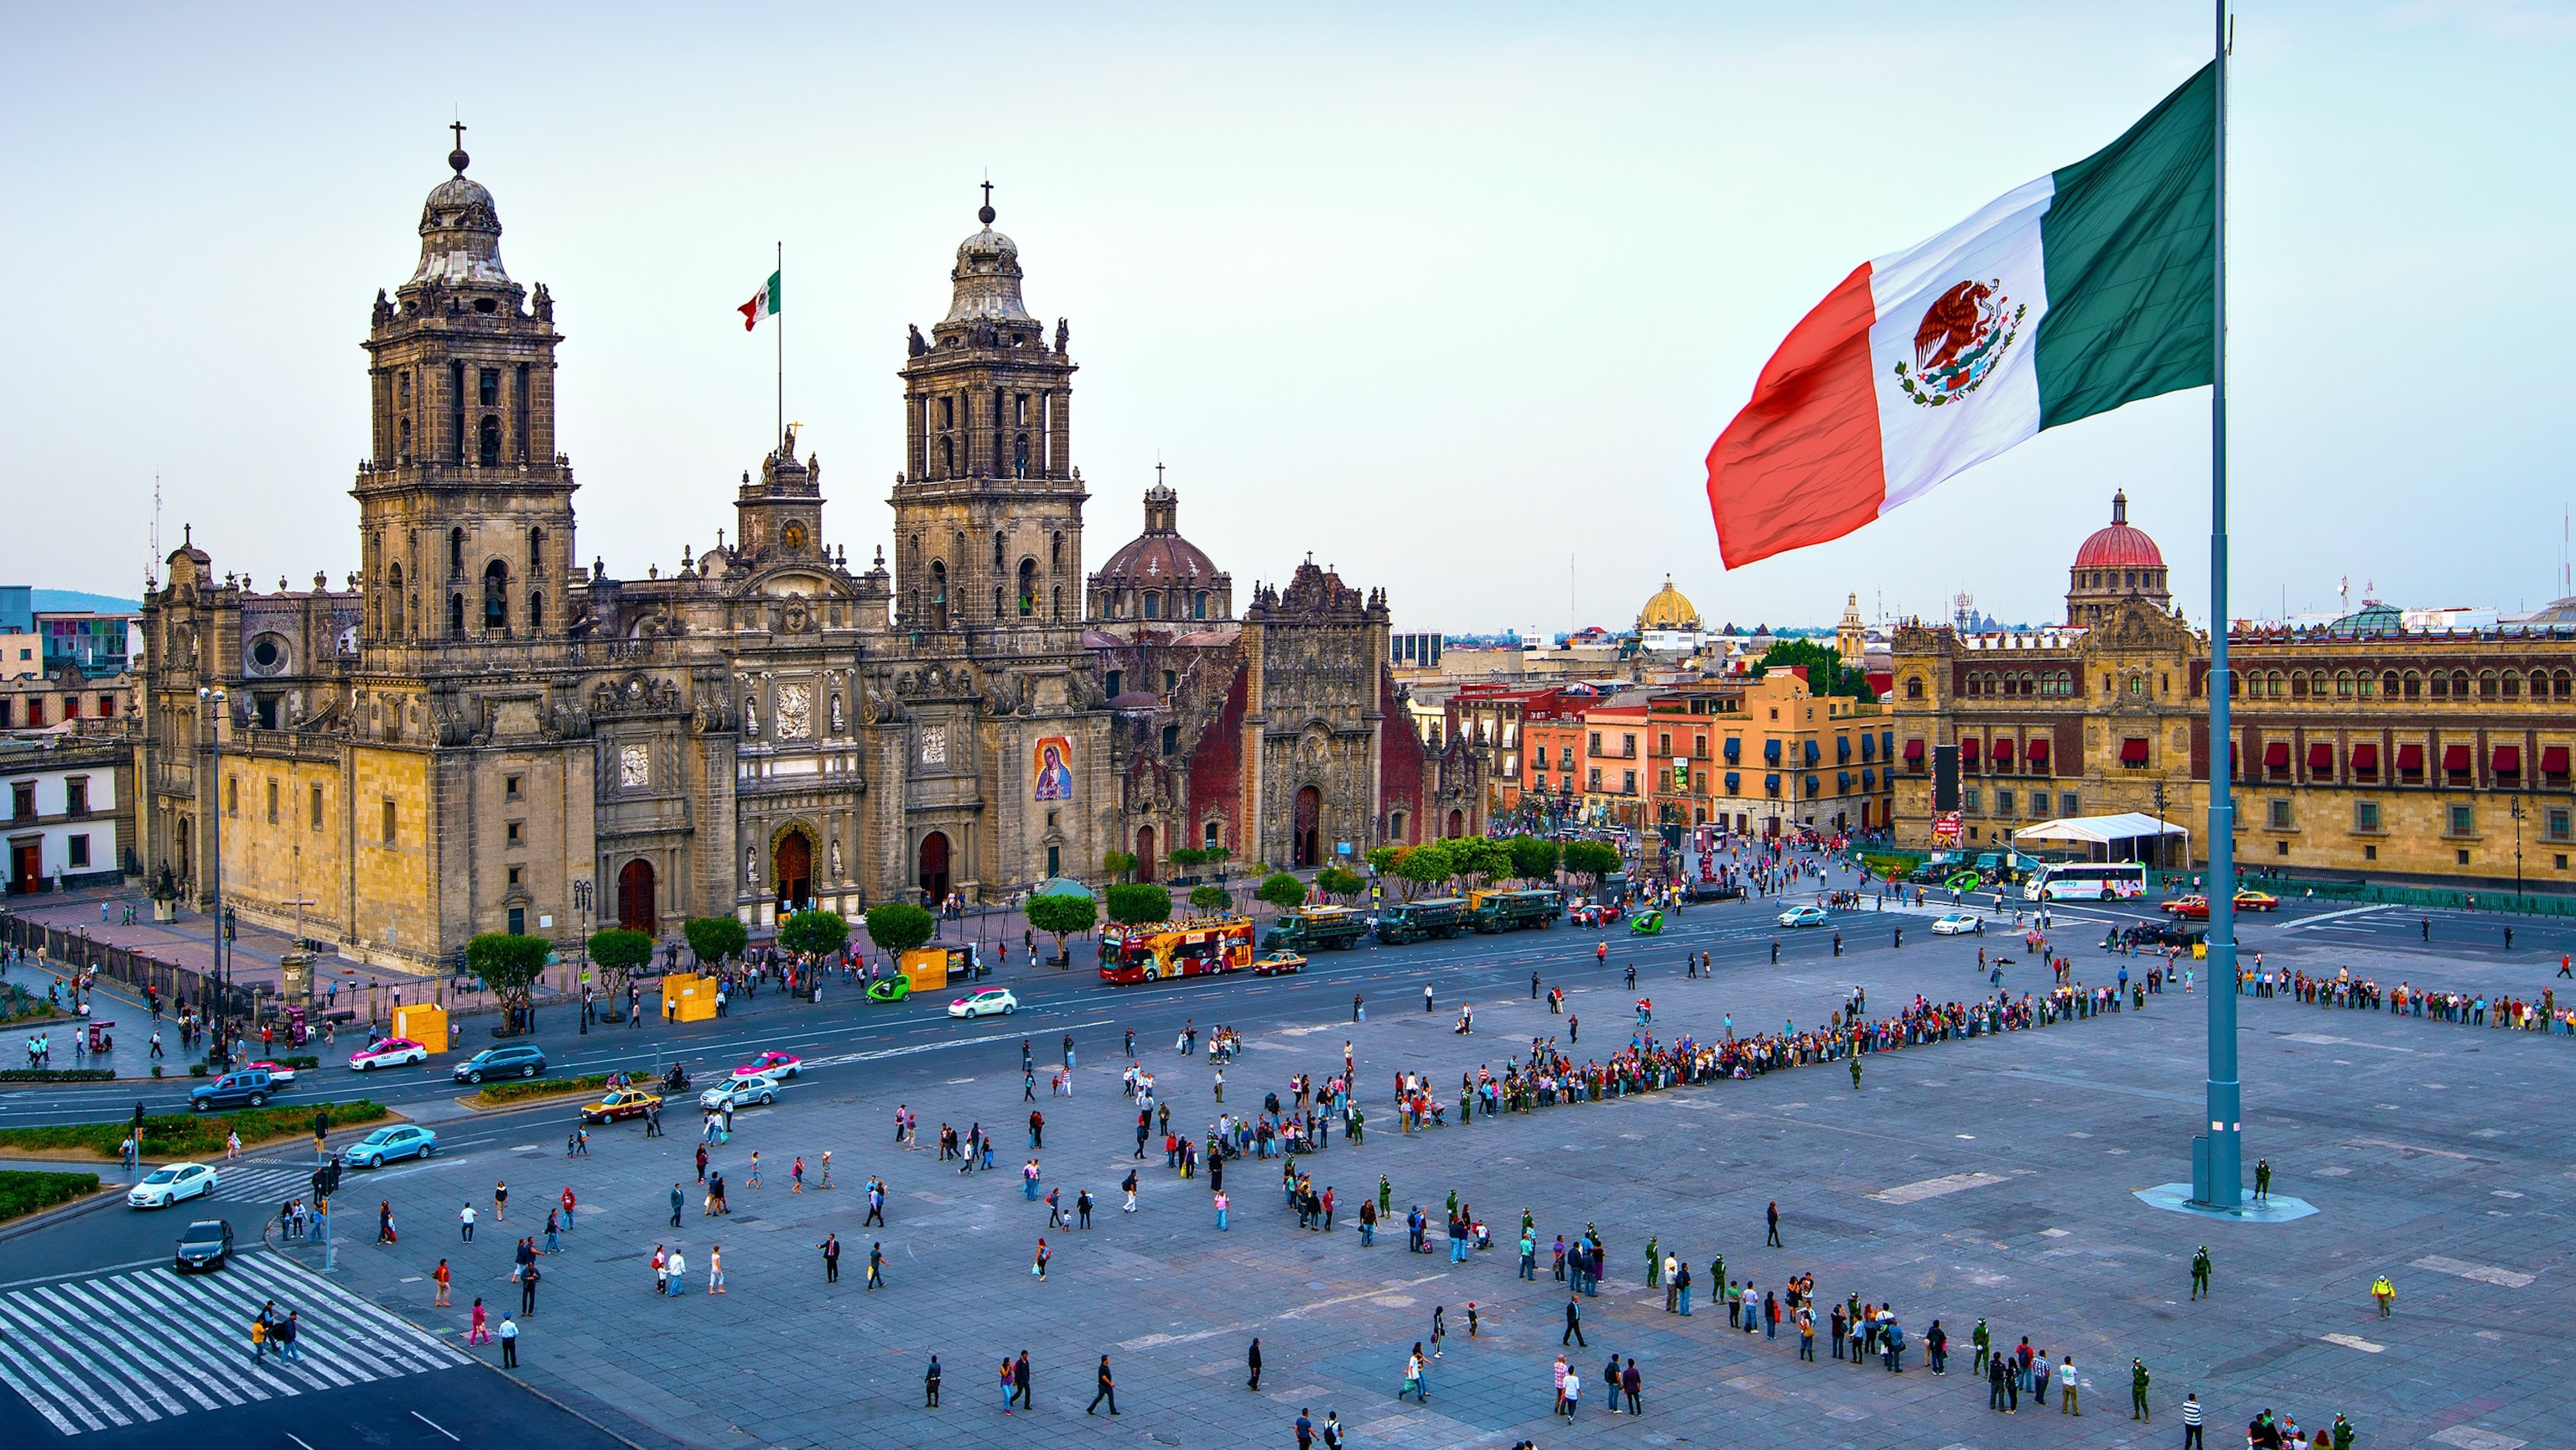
(2218,1169)
(780,317)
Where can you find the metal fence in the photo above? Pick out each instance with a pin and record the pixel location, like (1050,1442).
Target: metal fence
(72,952)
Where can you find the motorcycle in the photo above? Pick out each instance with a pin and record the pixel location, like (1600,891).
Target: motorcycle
(676,1080)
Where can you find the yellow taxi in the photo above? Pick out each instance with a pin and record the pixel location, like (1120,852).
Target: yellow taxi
(2252,900)
(620,1103)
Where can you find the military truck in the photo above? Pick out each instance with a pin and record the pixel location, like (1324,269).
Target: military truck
(1314,929)
(1438,916)
(1494,911)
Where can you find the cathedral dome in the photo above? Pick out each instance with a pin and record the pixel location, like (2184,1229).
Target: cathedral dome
(460,232)
(1669,609)
(1158,558)
(2119,546)
(987,277)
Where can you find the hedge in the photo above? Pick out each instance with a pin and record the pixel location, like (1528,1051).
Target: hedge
(23,1193)
(57,1074)
(524,1088)
(189,1135)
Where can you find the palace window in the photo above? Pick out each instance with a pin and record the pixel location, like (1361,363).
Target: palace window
(2365,816)
(389,838)
(317,808)
(2512,685)
(2464,820)
(2559,823)
(2279,817)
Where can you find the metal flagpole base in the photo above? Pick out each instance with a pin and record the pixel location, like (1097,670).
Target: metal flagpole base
(2177,1198)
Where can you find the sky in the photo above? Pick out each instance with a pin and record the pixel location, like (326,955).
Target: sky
(1454,297)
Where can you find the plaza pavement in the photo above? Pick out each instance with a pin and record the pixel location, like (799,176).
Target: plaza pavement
(2432,1151)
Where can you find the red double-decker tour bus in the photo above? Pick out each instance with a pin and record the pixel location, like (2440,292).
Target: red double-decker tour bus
(1175,949)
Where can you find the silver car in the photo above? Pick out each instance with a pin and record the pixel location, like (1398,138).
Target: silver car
(740,1092)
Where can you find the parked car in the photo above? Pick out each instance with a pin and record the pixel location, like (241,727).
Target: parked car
(172,1183)
(387,1052)
(2249,899)
(243,1087)
(771,1064)
(280,1075)
(1804,916)
(403,1140)
(519,1060)
(985,1003)
(1958,923)
(740,1092)
(208,1245)
(620,1103)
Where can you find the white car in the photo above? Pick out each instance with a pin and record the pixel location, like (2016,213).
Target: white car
(985,1003)
(170,1184)
(387,1052)
(740,1092)
(1803,916)
(1959,923)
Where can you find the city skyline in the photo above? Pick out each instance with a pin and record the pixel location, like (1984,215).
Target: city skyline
(1297,198)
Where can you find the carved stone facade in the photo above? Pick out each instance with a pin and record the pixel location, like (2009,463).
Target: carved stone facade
(480,735)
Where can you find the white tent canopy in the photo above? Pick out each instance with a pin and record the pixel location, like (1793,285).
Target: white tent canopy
(2104,831)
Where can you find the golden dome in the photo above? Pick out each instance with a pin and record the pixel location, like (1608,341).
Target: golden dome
(1668,610)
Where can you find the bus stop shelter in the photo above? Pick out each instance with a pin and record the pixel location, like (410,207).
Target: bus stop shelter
(2110,838)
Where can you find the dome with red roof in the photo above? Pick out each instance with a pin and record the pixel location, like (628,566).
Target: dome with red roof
(1159,575)
(2119,546)
(2114,564)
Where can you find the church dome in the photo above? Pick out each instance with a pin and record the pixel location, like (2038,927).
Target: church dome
(460,232)
(1159,558)
(1669,609)
(2119,546)
(987,277)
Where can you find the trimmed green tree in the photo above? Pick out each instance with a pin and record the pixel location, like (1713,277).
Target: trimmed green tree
(1533,857)
(897,927)
(1283,891)
(509,966)
(1117,863)
(1428,864)
(1139,903)
(1826,672)
(1188,858)
(1595,859)
(1381,859)
(714,938)
(1210,897)
(816,932)
(1335,881)
(1480,856)
(618,952)
(1061,917)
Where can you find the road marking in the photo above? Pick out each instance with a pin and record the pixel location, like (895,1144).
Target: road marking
(2353,1341)
(2483,1273)
(2307,921)
(291,1435)
(2472,1437)
(433,1424)
(2414,1148)
(2324,1039)
(1936,1187)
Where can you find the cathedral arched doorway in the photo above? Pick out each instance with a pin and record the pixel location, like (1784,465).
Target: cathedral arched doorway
(792,870)
(1144,853)
(1307,829)
(1457,823)
(934,868)
(635,897)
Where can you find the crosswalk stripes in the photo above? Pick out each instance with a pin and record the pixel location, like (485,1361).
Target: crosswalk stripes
(263,1184)
(137,1348)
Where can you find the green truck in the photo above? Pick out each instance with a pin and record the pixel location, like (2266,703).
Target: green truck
(1316,929)
(1493,911)
(1438,916)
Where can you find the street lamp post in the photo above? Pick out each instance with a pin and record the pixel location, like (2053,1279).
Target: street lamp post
(2517,851)
(581,903)
(210,699)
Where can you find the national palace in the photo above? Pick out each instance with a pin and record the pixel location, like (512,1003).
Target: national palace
(2362,747)
(479,732)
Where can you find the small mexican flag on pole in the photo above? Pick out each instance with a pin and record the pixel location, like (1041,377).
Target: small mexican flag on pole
(763,303)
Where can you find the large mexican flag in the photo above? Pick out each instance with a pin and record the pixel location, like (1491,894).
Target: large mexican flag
(2086,289)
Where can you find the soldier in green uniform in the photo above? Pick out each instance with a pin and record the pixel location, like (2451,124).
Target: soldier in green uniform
(1983,1342)
(1855,1072)
(1654,1264)
(2138,1391)
(2200,1273)
(2262,1178)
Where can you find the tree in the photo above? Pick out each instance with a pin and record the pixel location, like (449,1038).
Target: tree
(1533,857)
(898,926)
(1334,881)
(509,966)
(1139,903)
(1381,859)
(1826,673)
(1118,863)
(1188,858)
(1062,916)
(1595,859)
(619,952)
(1428,864)
(817,933)
(1211,897)
(714,938)
(1283,891)
(1217,856)
(1480,856)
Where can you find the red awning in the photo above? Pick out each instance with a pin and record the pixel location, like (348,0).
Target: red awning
(2320,758)
(2508,760)
(2276,755)
(2038,752)
(2553,760)
(2233,766)
(2133,751)
(2410,757)
(1968,750)
(2365,758)
(2004,751)
(1914,750)
(2456,758)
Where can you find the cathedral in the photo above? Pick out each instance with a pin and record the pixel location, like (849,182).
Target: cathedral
(479,733)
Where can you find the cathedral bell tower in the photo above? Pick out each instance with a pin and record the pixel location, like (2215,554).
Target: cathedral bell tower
(988,508)
(464,506)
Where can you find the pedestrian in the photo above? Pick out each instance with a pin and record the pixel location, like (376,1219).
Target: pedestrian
(2385,1294)
(2138,1391)
(1773,1214)
(1632,1383)
(441,1277)
(1573,1323)
(1020,1382)
(528,1288)
(1305,1428)
(1254,1360)
(1010,1388)
(1107,1391)
(1414,1381)
(1572,1396)
(2200,1273)
(876,1265)
(2191,1422)
(475,1332)
(930,1385)
(465,1222)
(509,1342)
(1439,1328)
(715,1269)
(1039,1267)
(501,1193)
(2066,1387)
(385,1222)
(675,1205)
(661,1272)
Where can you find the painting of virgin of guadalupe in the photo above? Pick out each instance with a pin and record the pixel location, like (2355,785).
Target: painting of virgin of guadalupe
(1055,769)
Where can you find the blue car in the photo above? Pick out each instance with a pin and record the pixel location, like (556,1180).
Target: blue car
(404,1140)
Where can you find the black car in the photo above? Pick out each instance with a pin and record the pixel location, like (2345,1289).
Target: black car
(208,1244)
(524,1060)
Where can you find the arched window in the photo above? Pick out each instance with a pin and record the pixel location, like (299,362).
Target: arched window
(456,616)
(2343,684)
(1020,456)
(1198,605)
(1914,687)
(2512,685)
(2459,684)
(938,594)
(947,456)
(1028,587)
(997,550)
(406,440)
(394,606)
(1057,606)
(496,598)
(1153,605)
(536,611)
(1055,553)
(2558,685)
(2388,685)
(997,604)
(536,551)
(2298,686)
(456,553)
(2441,687)
(2413,685)
(487,442)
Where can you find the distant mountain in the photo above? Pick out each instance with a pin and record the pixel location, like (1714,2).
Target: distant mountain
(47,599)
